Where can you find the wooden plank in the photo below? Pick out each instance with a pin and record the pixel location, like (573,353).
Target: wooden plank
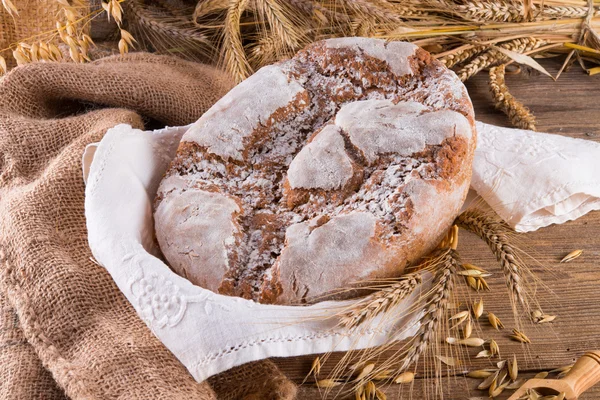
(570,107)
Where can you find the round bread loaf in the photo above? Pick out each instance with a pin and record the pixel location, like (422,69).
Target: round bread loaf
(343,164)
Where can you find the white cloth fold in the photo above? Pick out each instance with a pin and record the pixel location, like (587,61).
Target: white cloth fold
(534,179)
(530,179)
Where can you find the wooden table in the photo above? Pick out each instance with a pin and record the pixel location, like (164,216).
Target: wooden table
(570,107)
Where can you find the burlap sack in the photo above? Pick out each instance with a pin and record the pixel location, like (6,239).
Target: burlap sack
(60,312)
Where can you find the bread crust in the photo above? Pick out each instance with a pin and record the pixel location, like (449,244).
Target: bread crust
(345,163)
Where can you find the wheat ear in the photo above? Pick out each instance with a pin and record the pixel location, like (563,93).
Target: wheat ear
(374,9)
(162,33)
(494,57)
(235,57)
(205,7)
(380,301)
(519,115)
(281,24)
(559,12)
(460,56)
(486,11)
(435,308)
(495,233)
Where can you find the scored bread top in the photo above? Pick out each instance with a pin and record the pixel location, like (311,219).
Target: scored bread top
(342,164)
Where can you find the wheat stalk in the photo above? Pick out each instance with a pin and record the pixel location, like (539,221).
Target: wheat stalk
(485,11)
(493,56)
(495,233)
(372,8)
(205,7)
(519,115)
(435,308)
(408,11)
(163,34)
(312,8)
(380,302)
(281,23)
(554,12)
(460,56)
(234,55)
(266,50)
(364,27)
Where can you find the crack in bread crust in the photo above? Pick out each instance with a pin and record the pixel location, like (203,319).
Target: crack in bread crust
(377,212)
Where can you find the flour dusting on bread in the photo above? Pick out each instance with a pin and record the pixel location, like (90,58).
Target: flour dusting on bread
(344,163)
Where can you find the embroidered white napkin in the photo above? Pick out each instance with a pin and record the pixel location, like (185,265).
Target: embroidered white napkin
(534,179)
(530,179)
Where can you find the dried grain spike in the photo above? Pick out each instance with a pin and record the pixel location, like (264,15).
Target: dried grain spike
(235,57)
(206,7)
(450,361)
(468,329)
(3,67)
(327,383)
(560,12)
(373,8)
(459,318)
(279,20)
(383,375)
(10,8)
(473,272)
(498,390)
(405,377)
(359,393)
(519,115)
(486,11)
(367,369)
(478,309)
(519,336)
(541,375)
(470,342)
(494,348)
(495,321)
(473,267)
(370,390)
(571,256)
(379,302)
(315,368)
(460,56)
(437,305)
(513,368)
(546,319)
(516,384)
(494,57)
(472,282)
(482,283)
(484,354)
(494,233)
(489,381)
(479,374)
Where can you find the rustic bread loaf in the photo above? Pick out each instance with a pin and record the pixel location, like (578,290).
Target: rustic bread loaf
(343,164)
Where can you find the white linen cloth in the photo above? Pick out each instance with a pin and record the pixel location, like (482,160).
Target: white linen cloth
(530,179)
(534,179)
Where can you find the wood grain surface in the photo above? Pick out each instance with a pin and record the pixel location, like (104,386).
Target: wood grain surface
(570,107)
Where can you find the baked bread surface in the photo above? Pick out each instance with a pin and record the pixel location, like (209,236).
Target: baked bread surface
(343,164)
